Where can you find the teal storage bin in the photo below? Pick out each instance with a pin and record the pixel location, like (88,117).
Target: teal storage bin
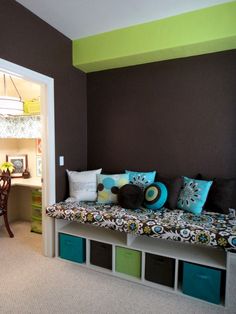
(72,248)
(202,282)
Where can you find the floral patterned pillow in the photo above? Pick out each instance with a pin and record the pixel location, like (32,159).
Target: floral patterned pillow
(193,195)
(141,179)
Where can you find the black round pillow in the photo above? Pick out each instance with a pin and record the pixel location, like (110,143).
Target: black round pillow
(130,196)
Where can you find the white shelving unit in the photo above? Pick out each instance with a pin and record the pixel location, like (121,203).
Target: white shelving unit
(94,233)
(180,252)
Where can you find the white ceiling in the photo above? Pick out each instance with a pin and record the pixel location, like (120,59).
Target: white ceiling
(81,18)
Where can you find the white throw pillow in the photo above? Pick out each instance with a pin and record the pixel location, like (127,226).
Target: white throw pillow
(83,185)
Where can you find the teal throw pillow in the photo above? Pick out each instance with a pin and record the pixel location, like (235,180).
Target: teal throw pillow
(193,195)
(141,179)
(155,196)
(109,185)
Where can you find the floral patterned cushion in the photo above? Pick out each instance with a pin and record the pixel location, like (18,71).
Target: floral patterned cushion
(213,229)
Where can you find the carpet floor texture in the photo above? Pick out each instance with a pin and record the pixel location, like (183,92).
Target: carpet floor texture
(33,283)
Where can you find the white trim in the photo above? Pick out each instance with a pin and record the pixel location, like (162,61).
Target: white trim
(48,144)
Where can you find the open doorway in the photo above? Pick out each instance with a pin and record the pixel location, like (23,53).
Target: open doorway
(46,87)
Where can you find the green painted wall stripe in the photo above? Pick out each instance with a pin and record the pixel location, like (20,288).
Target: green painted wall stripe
(198,32)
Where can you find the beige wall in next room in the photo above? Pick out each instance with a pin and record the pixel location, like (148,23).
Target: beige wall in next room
(20,146)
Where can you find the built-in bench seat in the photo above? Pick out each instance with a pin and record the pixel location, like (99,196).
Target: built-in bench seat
(212,229)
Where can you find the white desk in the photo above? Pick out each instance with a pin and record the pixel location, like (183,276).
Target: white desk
(20,198)
(34,182)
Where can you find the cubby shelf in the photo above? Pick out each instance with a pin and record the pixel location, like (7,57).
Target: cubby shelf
(94,233)
(178,251)
(182,251)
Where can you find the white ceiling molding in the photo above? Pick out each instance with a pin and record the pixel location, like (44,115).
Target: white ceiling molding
(81,18)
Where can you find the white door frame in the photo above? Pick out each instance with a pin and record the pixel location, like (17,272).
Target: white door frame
(48,144)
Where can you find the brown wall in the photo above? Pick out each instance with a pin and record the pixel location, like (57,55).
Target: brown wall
(176,116)
(28,41)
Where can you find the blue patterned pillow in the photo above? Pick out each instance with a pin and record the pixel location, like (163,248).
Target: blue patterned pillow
(193,195)
(108,186)
(155,196)
(141,179)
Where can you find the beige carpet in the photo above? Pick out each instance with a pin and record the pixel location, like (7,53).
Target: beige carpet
(32,283)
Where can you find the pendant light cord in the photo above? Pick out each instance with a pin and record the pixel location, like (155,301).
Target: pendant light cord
(13,83)
(15,87)
(10,105)
(4,84)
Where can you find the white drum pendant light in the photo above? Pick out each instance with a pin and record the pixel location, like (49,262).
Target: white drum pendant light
(10,105)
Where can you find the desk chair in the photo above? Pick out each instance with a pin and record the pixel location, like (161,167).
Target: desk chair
(5,186)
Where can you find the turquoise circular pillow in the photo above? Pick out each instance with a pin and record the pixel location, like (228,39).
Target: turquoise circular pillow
(155,196)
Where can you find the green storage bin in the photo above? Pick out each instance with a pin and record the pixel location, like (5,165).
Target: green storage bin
(36,219)
(36,225)
(128,261)
(36,212)
(72,248)
(37,197)
(202,282)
